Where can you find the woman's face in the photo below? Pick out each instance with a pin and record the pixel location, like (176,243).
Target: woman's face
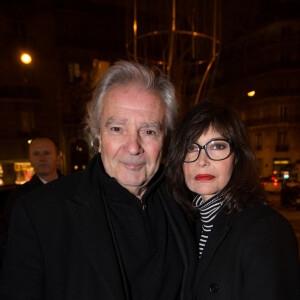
(205,176)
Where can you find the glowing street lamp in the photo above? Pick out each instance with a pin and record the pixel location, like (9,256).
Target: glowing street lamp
(26,58)
(251,93)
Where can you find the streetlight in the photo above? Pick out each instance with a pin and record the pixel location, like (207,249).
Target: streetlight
(26,58)
(251,93)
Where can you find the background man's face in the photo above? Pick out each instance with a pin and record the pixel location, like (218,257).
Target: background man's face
(132,134)
(43,157)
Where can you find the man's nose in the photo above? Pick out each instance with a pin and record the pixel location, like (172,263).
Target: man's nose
(134,144)
(42,156)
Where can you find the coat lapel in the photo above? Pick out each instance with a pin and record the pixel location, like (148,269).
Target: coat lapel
(184,238)
(87,208)
(218,233)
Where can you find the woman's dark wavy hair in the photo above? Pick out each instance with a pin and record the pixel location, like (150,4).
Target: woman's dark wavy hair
(244,187)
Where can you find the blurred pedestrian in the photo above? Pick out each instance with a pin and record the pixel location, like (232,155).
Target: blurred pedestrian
(284,194)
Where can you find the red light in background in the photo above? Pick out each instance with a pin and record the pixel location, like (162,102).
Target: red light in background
(273,178)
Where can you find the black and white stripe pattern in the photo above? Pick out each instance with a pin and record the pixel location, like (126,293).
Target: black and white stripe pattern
(208,211)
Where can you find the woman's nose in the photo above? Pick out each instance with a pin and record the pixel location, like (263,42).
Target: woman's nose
(203,159)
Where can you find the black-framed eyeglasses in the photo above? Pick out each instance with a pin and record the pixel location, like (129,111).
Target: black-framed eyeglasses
(217,149)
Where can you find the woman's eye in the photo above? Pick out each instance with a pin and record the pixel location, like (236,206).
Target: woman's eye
(218,147)
(192,148)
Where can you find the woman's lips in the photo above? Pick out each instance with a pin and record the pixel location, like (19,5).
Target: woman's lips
(204,177)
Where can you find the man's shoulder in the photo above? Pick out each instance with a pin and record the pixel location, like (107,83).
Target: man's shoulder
(77,186)
(260,216)
(20,190)
(64,184)
(257,211)
(63,187)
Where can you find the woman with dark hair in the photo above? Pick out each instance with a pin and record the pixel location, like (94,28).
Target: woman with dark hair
(246,249)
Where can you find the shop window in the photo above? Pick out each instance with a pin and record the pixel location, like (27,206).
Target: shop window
(15,172)
(24,172)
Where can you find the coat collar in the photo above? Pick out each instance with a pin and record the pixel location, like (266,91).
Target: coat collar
(113,189)
(89,214)
(95,174)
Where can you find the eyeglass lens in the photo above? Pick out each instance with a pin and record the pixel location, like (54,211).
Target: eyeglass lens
(215,150)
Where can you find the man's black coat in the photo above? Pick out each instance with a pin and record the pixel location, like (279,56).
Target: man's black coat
(21,191)
(61,245)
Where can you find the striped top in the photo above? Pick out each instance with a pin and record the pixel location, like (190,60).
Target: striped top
(208,211)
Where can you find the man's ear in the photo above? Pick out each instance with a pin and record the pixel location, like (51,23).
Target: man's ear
(58,160)
(99,142)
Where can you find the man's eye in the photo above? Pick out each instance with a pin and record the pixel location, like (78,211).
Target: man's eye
(150,132)
(115,129)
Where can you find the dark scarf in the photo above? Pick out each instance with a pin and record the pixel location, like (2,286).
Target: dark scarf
(146,243)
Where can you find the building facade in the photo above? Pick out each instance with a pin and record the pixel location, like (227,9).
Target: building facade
(261,54)
(72,41)
(69,42)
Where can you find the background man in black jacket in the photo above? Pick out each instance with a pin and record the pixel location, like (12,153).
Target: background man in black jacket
(112,231)
(44,158)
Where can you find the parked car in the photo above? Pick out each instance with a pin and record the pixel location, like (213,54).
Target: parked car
(290,182)
(271,184)
(274,184)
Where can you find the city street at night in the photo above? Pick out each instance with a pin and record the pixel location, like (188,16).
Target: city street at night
(149,149)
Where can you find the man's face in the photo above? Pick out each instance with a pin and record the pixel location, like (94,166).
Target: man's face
(43,157)
(132,134)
